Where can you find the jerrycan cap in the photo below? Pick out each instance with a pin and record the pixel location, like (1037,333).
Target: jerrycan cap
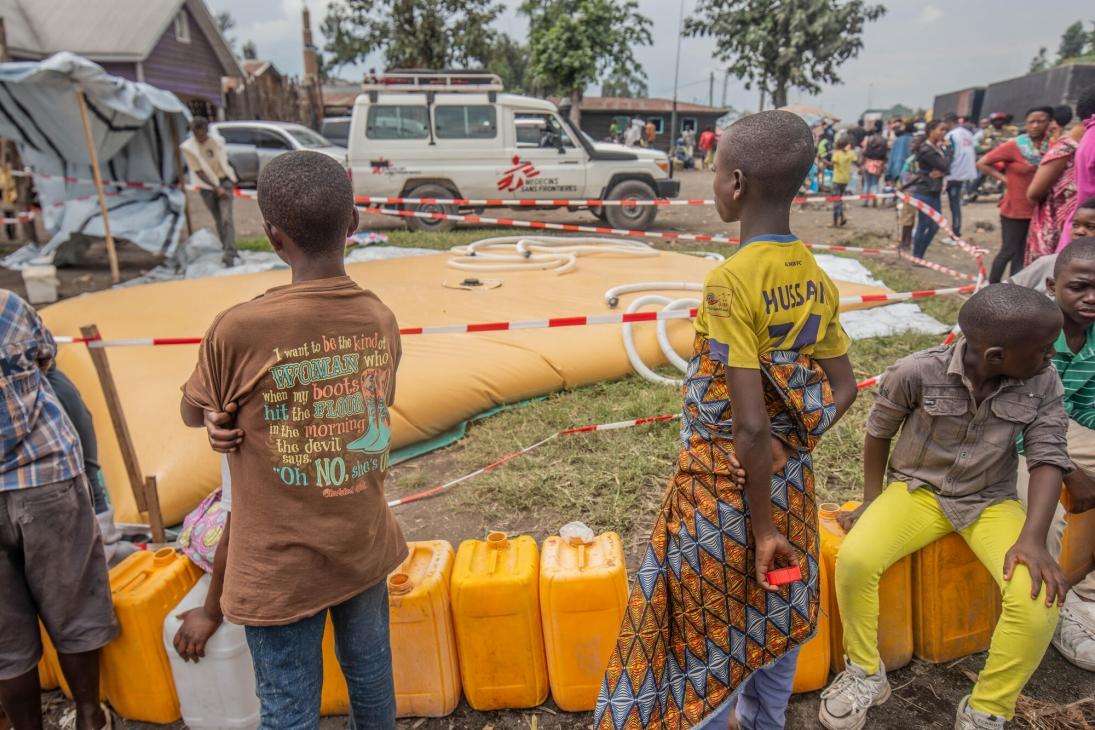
(576,533)
(828,510)
(497,540)
(399,583)
(163,556)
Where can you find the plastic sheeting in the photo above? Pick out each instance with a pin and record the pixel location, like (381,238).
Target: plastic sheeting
(130,125)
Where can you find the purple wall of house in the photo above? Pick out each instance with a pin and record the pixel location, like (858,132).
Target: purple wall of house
(125,70)
(187,69)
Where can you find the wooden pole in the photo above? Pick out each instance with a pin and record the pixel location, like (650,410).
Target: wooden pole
(155,517)
(115,276)
(117,418)
(179,171)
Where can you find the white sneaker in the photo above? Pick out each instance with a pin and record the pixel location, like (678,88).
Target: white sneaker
(845,702)
(971,719)
(1075,635)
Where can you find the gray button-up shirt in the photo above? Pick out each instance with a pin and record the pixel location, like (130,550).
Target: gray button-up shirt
(962,451)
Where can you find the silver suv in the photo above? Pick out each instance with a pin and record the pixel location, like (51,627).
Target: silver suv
(252,144)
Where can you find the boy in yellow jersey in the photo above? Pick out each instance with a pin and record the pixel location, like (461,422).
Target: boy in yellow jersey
(704,624)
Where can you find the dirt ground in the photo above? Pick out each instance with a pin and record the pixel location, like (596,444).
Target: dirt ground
(925,695)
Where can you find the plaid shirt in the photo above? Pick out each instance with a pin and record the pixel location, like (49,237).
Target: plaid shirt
(40,445)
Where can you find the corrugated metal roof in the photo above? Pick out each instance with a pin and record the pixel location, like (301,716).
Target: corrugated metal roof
(101,30)
(121,30)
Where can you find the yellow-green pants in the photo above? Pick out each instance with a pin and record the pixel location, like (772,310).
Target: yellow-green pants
(900,522)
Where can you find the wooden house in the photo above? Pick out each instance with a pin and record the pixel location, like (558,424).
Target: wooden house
(171,44)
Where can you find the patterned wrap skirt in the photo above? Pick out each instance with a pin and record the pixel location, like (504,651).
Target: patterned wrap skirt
(697,623)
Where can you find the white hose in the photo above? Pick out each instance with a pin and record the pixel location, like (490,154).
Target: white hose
(629,341)
(612,299)
(663,332)
(556,253)
(612,296)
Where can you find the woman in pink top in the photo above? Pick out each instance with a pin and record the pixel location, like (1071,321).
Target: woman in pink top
(1084,160)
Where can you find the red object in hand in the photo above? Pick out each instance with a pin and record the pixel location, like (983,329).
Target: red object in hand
(783,576)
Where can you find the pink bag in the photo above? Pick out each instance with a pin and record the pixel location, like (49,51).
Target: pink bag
(202,530)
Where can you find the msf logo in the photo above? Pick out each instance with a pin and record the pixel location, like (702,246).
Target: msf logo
(515,177)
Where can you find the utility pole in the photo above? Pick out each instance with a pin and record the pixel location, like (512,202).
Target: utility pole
(725,81)
(711,90)
(676,80)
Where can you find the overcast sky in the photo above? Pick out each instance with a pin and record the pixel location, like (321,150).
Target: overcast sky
(918,49)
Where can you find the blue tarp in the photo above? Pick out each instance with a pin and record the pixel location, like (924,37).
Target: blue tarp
(130,124)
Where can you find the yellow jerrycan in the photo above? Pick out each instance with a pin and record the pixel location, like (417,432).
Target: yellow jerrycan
(583,595)
(955,601)
(136,675)
(895,636)
(424,664)
(424,659)
(814,658)
(496,612)
(1078,542)
(49,669)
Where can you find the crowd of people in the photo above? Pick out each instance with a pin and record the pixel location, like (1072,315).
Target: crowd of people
(709,635)
(1034,170)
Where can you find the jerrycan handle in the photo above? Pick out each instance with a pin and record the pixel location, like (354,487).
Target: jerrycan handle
(161,558)
(496,542)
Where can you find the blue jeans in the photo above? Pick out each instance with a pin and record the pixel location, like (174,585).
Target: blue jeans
(289,665)
(870,185)
(762,698)
(955,189)
(925,226)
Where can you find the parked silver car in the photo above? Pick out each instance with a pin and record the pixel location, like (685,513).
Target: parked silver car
(252,144)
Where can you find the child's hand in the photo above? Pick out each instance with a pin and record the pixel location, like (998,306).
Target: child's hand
(847,520)
(218,424)
(781,452)
(1042,567)
(737,472)
(197,627)
(772,551)
(1081,491)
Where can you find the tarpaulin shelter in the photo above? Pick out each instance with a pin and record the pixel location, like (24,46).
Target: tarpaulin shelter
(134,130)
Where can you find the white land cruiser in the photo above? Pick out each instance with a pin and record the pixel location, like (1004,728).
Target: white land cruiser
(456,135)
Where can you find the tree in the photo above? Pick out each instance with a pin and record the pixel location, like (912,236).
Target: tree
(572,43)
(1039,62)
(784,44)
(509,59)
(225,23)
(249,50)
(1073,41)
(627,88)
(428,34)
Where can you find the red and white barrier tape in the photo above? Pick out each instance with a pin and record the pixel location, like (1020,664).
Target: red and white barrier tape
(941,268)
(580,203)
(23,216)
(602,230)
(529,324)
(615,426)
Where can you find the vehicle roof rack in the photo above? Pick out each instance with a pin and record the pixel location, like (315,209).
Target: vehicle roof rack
(447,81)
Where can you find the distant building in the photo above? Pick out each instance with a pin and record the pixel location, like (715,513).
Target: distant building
(1059,85)
(339,96)
(598,113)
(897,110)
(171,44)
(966,103)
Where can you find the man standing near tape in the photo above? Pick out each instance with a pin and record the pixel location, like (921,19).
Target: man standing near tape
(215,179)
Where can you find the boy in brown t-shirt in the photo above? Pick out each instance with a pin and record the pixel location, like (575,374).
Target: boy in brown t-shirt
(307,372)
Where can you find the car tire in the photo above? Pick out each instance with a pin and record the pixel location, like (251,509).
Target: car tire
(598,212)
(429,224)
(638,217)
